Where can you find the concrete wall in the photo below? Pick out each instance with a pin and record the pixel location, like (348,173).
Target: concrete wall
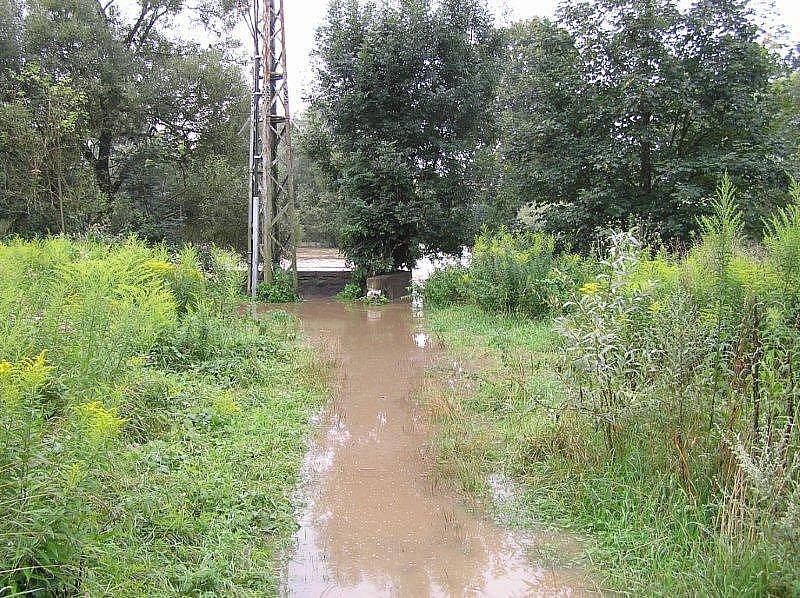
(393,286)
(319,284)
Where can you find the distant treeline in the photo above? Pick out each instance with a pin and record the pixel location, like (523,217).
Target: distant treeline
(429,121)
(426,122)
(110,123)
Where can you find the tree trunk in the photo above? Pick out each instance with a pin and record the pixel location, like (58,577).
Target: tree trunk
(102,166)
(646,171)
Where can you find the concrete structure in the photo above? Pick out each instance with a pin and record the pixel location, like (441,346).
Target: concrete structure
(320,284)
(393,286)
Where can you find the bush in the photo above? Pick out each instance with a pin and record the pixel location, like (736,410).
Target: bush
(124,374)
(280,290)
(85,311)
(147,404)
(782,241)
(696,369)
(510,273)
(40,522)
(226,275)
(351,292)
(448,286)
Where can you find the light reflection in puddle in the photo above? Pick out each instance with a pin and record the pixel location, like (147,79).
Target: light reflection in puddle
(376,520)
(420,339)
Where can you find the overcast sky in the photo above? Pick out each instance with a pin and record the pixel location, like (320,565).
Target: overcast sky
(304,16)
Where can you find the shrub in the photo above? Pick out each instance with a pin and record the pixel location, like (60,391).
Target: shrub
(186,278)
(147,403)
(696,368)
(226,275)
(351,292)
(782,241)
(603,338)
(374,298)
(38,529)
(448,286)
(114,361)
(511,273)
(280,290)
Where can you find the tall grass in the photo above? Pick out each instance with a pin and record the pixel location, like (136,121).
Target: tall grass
(513,273)
(148,434)
(662,419)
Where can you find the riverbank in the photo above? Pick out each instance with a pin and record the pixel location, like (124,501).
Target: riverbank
(503,414)
(375,518)
(151,435)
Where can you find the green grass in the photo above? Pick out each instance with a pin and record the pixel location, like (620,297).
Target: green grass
(207,505)
(643,535)
(150,436)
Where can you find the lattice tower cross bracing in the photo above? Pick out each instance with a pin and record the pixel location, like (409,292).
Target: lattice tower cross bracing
(272,221)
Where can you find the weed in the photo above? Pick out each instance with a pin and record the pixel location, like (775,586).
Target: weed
(447,286)
(280,290)
(149,435)
(514,273)
(350,292)
(662,419)
(374,298)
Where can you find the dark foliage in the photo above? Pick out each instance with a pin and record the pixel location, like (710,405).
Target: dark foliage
(623,109)
(403,100)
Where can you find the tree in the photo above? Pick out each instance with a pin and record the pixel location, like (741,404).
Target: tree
(403,101)
(786,94)
(319,214)
(626,108)
(10,27)
(42,124)
(155,112)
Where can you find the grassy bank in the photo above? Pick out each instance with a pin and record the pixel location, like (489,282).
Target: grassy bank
(150,435)
(645,398)
(645,535)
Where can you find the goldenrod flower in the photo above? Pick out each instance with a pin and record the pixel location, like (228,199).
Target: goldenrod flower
(158,266)
(590,288)
(98,422)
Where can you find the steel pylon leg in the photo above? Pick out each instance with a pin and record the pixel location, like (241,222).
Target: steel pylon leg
(273,227)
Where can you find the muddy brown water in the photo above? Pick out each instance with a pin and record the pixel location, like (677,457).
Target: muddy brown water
(374,518)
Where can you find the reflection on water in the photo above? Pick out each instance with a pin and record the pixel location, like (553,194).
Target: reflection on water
(420,339)
(375,521)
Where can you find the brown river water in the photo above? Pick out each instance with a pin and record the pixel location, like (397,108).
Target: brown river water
(375,520)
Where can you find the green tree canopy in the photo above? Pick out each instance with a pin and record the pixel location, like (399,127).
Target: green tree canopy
(629,108)
(403,100)
(147,114)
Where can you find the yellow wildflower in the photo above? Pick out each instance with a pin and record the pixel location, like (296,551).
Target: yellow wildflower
(23,378)
(158,266)
(98,422)
(75,474)
(225,405)
(590,288)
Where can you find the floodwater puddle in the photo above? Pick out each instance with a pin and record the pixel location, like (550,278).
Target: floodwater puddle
(374,518)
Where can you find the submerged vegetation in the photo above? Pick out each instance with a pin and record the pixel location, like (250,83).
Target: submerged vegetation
(654,410)
(149,435)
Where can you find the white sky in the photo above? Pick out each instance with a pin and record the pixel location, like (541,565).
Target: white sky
(304,16)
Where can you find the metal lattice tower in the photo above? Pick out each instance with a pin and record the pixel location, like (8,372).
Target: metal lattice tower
(273,228)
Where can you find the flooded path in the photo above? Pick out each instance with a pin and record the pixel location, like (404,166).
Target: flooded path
(375,522)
